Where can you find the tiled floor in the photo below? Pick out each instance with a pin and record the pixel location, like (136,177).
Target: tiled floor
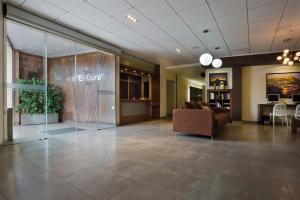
(148,161)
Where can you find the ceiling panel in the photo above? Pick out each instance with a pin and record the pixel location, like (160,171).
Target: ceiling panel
(103,34)
(237,52)
(73,21)
(233,44)
(270,12)
(156,10)
(122,17)
(227,7)
(95,16)
(210,25)
(65,4)
(164,25)
(252,4)
(260,46)
(197,15)
(212,38)
(297,46)
(112,7)
(236,19)
(221,53)
(42,8)
(292,7)
(136,2)
(235,32)
(180,5)
(279,45)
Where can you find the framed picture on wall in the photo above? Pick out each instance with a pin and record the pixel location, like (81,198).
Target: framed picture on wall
(284,84)
(216,78)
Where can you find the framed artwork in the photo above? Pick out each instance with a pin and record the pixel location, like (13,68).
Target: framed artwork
(284,84)
(216,78)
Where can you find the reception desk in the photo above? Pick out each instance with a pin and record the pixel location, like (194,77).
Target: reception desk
(134,110)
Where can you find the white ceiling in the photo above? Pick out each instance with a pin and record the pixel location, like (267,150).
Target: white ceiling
(29,40)
(236,26)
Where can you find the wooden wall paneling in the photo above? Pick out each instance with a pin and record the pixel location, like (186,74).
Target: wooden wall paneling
(251,60)
(156,93)
(80,100)
(237,93)
(61,72)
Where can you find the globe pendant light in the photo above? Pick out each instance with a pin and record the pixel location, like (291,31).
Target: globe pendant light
(206,59)
(217,63)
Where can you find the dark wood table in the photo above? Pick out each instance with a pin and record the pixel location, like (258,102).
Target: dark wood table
(261,108)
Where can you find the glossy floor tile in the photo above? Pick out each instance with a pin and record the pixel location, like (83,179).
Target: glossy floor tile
(150,161)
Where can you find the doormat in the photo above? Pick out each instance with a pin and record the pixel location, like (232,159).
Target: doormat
(64,130)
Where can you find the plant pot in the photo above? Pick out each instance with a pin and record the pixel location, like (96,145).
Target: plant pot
(27,119)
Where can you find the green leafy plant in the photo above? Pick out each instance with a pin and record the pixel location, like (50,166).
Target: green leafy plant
(32,97)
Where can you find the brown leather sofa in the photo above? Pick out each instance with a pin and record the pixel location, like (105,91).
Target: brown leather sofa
(200,121)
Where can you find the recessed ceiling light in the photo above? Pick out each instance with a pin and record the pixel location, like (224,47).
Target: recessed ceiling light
(131,18)
(205,30)
(178,50)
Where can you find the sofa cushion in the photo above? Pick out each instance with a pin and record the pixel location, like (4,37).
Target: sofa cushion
(190,105)
(221,119)
(199,105)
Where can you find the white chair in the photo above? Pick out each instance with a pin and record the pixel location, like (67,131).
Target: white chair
(279,110)
(297,112)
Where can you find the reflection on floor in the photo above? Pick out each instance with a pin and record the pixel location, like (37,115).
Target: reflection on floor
(36,132)
(149,161)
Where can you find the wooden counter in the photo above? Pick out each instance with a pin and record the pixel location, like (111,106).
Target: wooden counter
(135,110)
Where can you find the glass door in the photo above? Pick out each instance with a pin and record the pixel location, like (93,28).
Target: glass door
(55,85)
(87,78)
(61,70)
(106,90)
(25,84)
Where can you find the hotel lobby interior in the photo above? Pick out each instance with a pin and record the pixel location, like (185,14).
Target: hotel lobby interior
(150,99)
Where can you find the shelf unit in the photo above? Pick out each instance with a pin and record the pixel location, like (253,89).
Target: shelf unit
(220,98)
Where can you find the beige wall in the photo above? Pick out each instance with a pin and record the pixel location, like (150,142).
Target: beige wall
(1,76)
(183,91)
(164,76)
(182,88)
(254,87)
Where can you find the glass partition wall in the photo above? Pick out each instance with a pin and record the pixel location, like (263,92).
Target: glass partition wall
(55,85)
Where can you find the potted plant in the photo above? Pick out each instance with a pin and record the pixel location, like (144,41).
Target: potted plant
(32,98)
